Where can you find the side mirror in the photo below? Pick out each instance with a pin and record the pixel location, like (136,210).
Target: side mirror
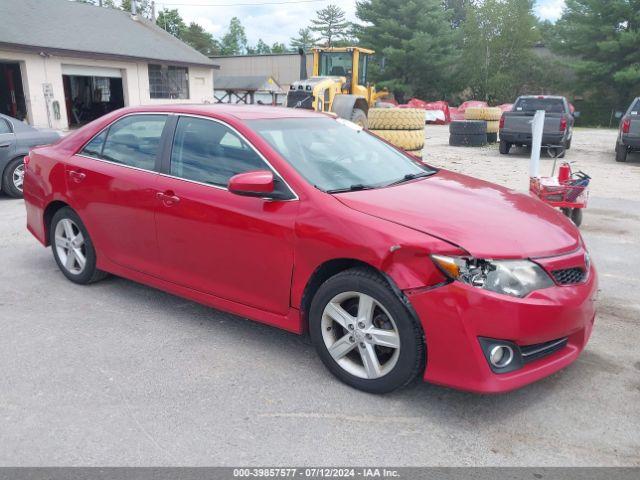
(258,183)
(619,114)
(576,114)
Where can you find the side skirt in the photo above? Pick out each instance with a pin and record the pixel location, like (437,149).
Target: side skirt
(291,321)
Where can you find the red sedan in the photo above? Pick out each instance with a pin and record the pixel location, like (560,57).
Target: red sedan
(309,223)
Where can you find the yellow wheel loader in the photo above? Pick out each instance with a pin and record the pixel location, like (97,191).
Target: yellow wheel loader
(338,84)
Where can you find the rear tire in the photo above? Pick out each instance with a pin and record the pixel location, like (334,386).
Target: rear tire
(504,147)
(621,152)
(73,249)
(344,310)
(13,178)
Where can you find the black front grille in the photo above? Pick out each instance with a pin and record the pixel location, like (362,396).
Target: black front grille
(569,276)
(539,350)
(300,99)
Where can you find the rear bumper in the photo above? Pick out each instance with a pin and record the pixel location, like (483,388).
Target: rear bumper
(525,138)
(456,316)
(631,142)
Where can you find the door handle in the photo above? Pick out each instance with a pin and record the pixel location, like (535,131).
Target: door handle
(5,145)
(168,198)
(77,176)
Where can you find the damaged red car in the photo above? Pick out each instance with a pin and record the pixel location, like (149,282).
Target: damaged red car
(398,270)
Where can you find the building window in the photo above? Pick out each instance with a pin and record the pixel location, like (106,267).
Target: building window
(168,81)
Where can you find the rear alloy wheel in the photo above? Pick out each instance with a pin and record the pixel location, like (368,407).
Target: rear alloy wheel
(364,334)
(72,248)
(13,178)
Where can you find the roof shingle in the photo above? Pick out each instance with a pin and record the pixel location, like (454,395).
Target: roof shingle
(78,27)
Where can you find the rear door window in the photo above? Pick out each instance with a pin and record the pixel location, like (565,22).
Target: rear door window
(133,141)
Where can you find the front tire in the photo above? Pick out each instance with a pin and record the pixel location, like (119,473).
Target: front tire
(73,249)
(364,334)
(13,178)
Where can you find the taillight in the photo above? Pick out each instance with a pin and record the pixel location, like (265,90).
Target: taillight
(563,124)
(626,125)
(501,122)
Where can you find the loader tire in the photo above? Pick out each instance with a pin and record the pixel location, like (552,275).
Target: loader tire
(360,118)
(468,127)
(404,139)
(396,119)
(492,114)
(493,126)
(474,113)
(467,140)
(492,137)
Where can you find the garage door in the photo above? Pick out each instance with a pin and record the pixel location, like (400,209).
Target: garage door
(86,71)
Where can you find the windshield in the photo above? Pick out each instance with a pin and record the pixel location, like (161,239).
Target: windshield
(334,156)
(336,64)
(549,105)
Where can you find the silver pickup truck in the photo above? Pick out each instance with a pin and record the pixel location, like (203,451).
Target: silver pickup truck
(629,134)
(515,126)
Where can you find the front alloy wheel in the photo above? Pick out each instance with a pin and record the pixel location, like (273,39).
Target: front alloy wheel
(364,333)
(360,335)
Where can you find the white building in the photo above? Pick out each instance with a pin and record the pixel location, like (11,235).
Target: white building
(65,63)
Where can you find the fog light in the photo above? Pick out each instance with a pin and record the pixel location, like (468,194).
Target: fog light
(500,356)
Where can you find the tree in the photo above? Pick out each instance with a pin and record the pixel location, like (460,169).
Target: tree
(414,43)
(143,7)
(261,48)
(278,48)
(171,21)
(603,40)
(304,40)
(196,36)
(330,24)
(498,60)
(234,42)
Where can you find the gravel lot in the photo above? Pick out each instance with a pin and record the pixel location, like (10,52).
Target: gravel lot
(121,374)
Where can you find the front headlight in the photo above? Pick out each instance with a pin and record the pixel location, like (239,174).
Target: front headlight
(517,278)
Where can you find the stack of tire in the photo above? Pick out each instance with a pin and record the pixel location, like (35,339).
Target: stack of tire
(491,115)
(468,133)
(402,127)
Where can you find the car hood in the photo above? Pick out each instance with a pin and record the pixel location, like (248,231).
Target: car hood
(486,220)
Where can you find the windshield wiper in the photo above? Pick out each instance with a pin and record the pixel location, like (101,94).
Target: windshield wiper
(410,176)
(352,188)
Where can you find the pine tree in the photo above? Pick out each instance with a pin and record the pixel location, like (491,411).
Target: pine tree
(414,43)
(304,40)
(330,24)
(171,21)
(234,42)
(603,41)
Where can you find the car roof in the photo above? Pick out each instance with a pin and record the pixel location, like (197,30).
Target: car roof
(241,112)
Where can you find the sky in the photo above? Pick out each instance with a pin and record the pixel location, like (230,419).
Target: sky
(279,20)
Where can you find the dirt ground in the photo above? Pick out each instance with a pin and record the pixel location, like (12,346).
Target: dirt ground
(118,374)
(592,151)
